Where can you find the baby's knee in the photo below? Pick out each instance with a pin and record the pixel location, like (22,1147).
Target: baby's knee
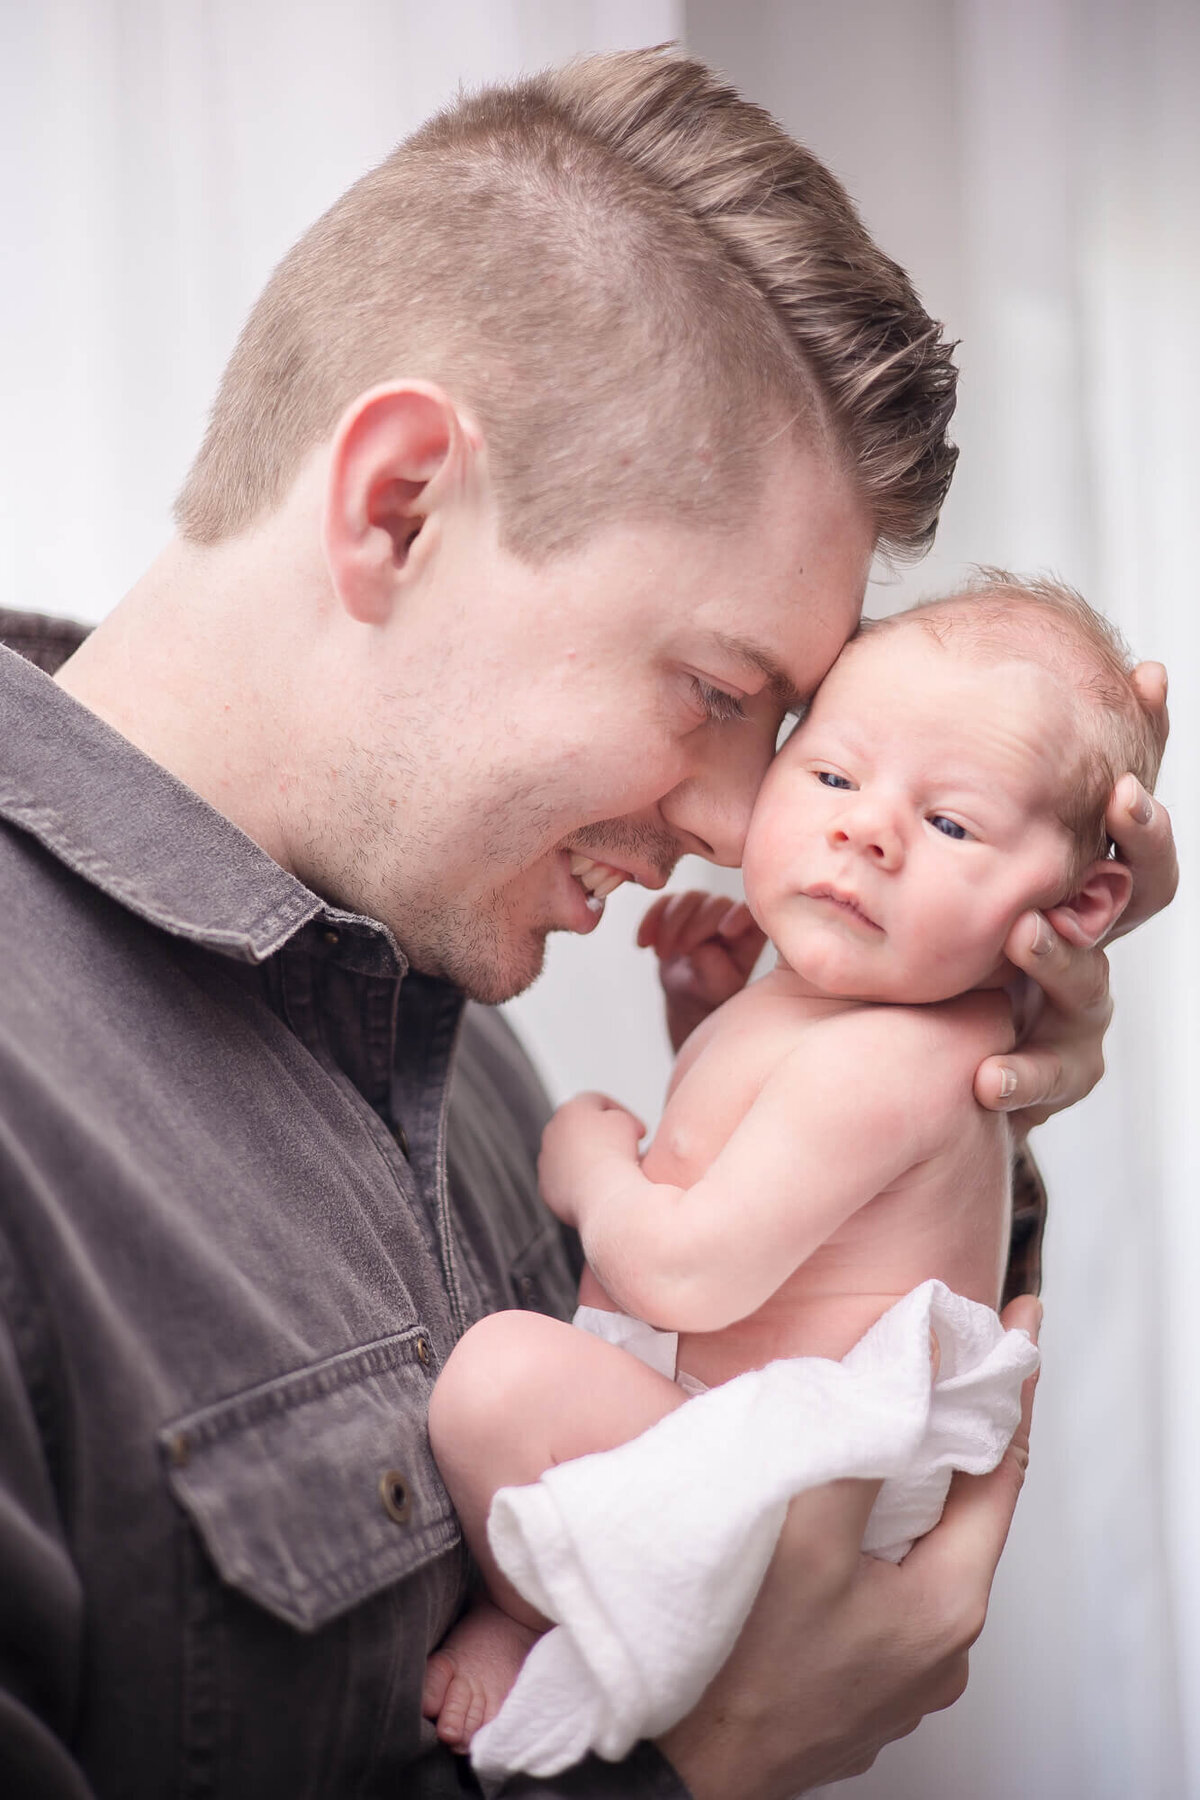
(494,1368)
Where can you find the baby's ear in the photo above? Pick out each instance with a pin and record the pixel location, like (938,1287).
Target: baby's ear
(1102,895)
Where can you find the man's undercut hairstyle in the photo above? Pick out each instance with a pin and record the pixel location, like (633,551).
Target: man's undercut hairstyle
(633,279)
(1001,617)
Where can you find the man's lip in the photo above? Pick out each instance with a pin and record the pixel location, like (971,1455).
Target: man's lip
(847,901)
(644,876)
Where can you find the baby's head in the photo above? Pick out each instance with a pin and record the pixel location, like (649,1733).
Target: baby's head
(951,773)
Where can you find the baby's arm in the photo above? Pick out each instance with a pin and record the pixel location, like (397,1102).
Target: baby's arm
(858,1101)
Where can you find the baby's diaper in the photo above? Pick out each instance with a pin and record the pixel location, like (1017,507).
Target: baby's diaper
(657,1349)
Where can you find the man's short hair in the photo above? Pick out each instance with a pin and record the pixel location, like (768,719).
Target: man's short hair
(633,279)
(1001,617)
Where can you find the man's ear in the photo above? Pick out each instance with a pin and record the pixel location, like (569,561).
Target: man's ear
(400,452)
(1102,895)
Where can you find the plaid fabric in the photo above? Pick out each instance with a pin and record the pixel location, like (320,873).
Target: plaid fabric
(1028,1226)
(48,642)
(40,640)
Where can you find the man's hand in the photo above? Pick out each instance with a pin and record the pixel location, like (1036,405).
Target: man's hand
(1062,1058)
(841,1653)
(582,1138)
(706,945)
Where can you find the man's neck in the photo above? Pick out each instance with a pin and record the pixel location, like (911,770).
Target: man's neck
(187,669)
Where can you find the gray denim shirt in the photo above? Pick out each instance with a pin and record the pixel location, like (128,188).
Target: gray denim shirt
(256,1178)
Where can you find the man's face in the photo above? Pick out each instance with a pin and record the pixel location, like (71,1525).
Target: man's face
(545,733)
(911,819)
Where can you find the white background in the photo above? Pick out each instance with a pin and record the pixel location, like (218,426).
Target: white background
(1033,163)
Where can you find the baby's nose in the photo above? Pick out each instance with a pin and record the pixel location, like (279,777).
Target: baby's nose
(870,831)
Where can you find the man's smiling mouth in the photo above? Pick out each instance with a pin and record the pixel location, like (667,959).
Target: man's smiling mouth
(598,880)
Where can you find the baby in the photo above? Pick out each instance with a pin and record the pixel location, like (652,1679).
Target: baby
(821,1153)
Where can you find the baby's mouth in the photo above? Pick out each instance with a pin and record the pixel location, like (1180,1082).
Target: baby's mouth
(598,880)
(845,903)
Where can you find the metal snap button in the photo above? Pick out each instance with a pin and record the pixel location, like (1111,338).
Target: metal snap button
(179,1449)
(401,1137)
(422,1351)
(393,1491)
(332,937)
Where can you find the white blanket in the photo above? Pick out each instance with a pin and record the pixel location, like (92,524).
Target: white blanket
(648,1557)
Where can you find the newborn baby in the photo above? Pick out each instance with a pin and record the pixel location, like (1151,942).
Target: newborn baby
(821,1153)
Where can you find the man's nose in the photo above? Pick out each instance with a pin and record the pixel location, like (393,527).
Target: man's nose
(867,825)
(710,810)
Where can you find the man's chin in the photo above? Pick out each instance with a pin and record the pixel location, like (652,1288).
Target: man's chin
(490,973)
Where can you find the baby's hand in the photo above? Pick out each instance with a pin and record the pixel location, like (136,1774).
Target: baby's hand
(584,1136)
(706,944)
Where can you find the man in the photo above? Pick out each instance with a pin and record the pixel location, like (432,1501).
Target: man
(544,479)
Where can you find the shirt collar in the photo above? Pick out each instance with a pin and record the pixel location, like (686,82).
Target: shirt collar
(126,825)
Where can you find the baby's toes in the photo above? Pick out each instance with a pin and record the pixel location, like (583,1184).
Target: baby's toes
(439,1673)
(461,1713)
(478,1711)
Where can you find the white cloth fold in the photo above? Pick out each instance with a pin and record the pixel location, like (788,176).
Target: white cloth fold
(648,1557)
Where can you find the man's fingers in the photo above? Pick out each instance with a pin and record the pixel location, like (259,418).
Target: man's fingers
(824,1528)
(1140,827)
(1150,680)
(1073,977)
(1023,1080)
(1024,1314)
(962,1552)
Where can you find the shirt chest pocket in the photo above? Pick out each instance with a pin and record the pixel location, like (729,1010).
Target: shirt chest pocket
(317,1490)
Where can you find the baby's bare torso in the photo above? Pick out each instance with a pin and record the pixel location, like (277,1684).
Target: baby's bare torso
(947,1216)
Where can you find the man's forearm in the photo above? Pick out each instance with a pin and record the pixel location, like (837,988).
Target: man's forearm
(645,1774)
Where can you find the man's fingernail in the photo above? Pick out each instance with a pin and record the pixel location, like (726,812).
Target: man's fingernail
(1141,806)
(1043,937)
(1008,1083)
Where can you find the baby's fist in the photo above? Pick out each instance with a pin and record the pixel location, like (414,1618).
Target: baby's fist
(583,1134)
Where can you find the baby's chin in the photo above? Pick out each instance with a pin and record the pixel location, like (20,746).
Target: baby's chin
(998,976)
(914,987)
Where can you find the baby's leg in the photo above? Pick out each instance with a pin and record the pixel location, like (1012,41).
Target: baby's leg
(519,1394)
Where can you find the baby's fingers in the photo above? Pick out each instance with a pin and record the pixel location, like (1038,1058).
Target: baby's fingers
(663,922)
(677,924)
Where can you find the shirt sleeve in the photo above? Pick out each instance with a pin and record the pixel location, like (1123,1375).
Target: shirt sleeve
(42,1611)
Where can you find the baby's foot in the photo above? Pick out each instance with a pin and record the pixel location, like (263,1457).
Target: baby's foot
(467,1680)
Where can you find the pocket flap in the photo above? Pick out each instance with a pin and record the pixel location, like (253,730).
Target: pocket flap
(314,1491)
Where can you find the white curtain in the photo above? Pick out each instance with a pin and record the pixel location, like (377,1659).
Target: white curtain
(1034,164)
(157,157)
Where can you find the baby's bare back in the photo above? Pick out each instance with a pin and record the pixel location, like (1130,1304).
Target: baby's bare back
(945,1215)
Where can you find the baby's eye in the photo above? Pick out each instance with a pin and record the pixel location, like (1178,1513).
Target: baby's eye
(948,827)
(832,780)
(716,703)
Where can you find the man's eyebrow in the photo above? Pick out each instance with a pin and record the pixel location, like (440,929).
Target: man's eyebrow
(779,682)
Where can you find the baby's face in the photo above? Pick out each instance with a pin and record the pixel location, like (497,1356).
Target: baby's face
(910,820)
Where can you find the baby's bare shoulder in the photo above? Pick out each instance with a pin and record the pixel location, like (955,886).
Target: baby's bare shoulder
(921,1059)
(947,1034)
